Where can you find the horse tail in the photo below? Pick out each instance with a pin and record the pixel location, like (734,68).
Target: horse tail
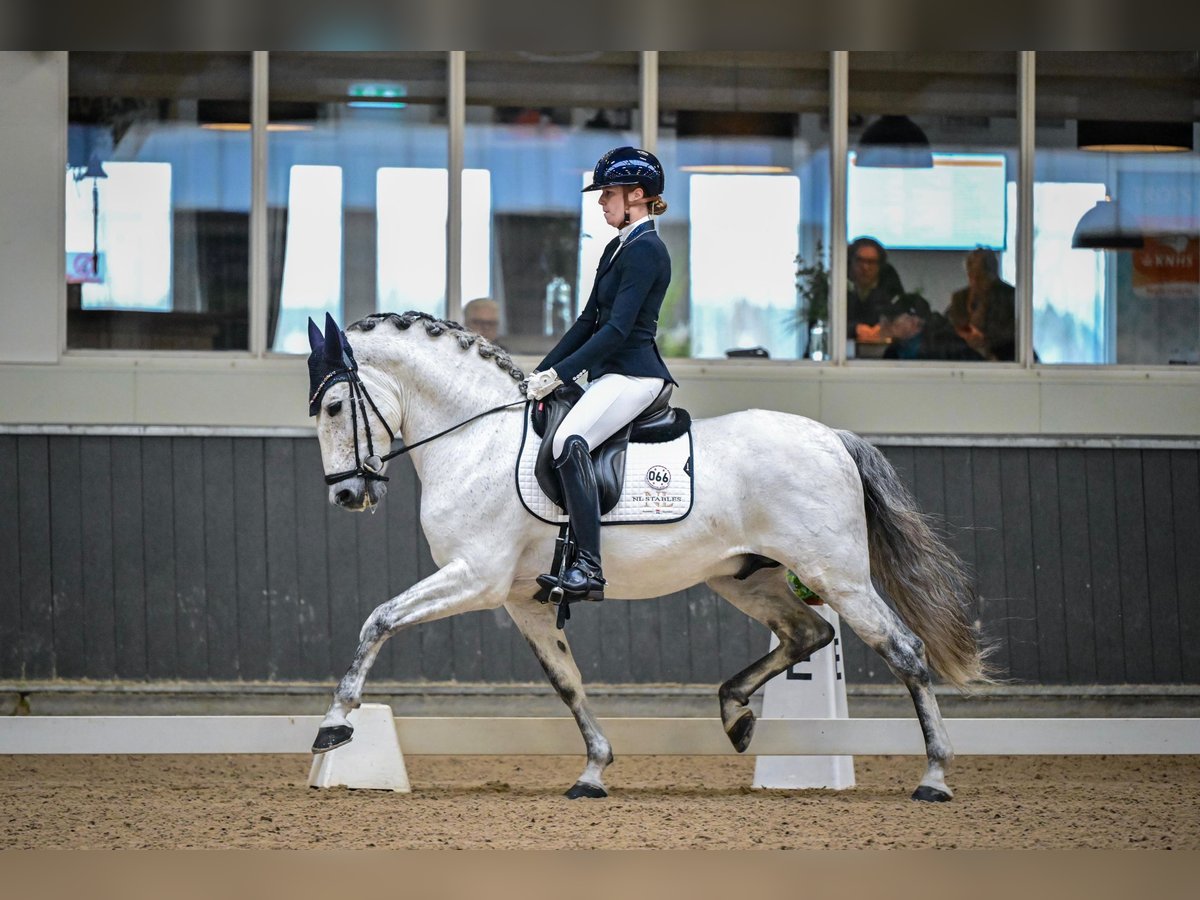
(925,580)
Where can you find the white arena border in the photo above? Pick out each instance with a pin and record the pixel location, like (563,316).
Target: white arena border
(478,735)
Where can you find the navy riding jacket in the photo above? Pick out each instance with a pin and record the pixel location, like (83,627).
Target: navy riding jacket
(615,332)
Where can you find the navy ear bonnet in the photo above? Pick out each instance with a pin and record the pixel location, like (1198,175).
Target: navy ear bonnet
(331,361)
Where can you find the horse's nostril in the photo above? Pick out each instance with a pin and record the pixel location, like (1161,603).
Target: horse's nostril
(345,496)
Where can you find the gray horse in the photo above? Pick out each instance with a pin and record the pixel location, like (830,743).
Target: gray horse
(772,492)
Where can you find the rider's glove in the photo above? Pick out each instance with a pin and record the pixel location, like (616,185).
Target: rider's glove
(540,384)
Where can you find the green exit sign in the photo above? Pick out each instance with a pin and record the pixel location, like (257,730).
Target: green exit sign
(378,95)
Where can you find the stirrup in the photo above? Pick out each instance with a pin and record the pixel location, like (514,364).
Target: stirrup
(594,589)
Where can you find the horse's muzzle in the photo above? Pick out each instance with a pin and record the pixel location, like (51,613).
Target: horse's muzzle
(357,494)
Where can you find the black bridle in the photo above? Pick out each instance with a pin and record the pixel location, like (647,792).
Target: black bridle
(371,468)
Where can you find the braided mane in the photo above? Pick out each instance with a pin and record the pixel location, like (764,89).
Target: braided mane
(436,327)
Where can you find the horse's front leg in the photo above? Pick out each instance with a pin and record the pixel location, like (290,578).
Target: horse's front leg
(536,622)
(455,588)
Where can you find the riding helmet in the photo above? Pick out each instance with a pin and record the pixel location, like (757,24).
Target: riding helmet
(628,166)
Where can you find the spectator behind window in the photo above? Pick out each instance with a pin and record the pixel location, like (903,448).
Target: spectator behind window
(984,312)
(918,333)
(874,283)
(482,315)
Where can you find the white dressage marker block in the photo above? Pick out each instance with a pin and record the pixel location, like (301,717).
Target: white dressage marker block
(372,761)
(812,689)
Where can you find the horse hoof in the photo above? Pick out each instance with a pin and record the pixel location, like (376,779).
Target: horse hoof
(582,789)
(927,794)
(331,737)
(741,731)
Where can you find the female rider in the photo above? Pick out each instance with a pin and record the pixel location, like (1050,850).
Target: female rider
(613,340)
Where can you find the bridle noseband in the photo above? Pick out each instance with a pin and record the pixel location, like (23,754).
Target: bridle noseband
(371,468)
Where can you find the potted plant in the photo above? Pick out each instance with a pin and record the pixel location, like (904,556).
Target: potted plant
(812,306)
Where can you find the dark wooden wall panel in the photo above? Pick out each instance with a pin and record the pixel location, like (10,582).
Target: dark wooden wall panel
(1018,564)
(1076,597)
(1050,631)
(709,620)
(129,566)
(283,607)
(644,640)
(1185,490)
(67,531)
(674,642)
(158,551)
(220,558)
(11,646)
(250,534)
(1132,565)
(1160,568)
(1106,586)
(99,636)
(614,629)
(191,624)
(36,582)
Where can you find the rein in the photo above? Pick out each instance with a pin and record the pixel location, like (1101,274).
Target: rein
(371,468)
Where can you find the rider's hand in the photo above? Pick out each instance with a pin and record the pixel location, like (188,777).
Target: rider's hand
(541,384)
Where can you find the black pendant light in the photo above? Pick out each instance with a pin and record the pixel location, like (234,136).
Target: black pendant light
(1101,228)
(894,142)
(1134,137)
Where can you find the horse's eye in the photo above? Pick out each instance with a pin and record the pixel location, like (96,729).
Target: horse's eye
(334,408)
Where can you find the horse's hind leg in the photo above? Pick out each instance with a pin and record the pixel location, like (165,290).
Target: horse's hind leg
(766,597)
(885,633)
(536,622)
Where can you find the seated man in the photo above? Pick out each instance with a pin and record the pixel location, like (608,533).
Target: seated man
(482,315)
(984,312)
(873,285)
(918,333)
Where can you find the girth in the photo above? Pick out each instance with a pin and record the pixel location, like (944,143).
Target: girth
(658,423)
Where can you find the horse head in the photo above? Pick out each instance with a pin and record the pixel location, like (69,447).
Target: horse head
(363,395)
(351,426)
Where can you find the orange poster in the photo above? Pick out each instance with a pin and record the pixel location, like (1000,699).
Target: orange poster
(1166,267)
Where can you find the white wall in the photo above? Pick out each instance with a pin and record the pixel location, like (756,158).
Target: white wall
(33,158)
(36,387)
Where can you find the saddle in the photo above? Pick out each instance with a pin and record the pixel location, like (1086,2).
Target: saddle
(658,423)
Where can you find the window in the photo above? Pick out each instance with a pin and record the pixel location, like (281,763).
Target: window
(535,125)
(312,266)
(931,206)
(157,201)
(747,303)
(127,212)
(356,195)
(1117,209)
(411,255)
(159,174)
(744,139)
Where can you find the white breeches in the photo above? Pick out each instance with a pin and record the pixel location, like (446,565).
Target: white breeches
(608,405)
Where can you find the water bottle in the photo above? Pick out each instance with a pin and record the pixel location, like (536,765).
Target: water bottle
(557,312)
(816,341)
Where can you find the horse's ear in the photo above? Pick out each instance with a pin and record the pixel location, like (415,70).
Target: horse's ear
(335,353)
(315,342)
(333,334)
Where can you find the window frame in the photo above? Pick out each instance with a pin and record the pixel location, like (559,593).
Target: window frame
(258,301)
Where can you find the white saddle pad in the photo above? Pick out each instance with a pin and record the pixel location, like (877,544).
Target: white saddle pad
(658,482)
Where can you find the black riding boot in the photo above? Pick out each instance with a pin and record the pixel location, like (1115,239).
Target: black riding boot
(583,580)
